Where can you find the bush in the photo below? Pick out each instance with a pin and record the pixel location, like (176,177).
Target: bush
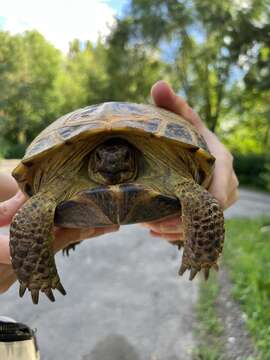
(251,170)
(266,175)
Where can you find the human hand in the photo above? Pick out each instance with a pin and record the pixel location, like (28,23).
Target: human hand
(63,238)
(9,186)
(224,182)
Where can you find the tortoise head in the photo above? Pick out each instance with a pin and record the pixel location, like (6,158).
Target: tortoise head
(114,161)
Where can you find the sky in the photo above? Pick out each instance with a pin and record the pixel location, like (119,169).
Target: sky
(60,21)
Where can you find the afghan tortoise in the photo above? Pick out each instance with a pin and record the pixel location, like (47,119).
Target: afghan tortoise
(113,163)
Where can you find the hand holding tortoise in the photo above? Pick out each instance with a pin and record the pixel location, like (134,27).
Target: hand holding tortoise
(63,237)
(114,161)
(224,184)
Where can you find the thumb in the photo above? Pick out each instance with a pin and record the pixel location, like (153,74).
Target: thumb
(164,96)
(9,208)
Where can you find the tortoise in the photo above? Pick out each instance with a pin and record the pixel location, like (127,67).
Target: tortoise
(113,163)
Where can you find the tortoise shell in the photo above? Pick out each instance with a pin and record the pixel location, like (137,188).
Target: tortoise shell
(119,118)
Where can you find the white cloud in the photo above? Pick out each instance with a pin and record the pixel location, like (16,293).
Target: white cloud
(59,21)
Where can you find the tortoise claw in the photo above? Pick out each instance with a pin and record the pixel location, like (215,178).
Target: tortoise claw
(206,273)
(22,290)
(179,244)
(193,273)
(48,292)
(182,269)
(70,247)
(60,288)
(35,295)
(215,266)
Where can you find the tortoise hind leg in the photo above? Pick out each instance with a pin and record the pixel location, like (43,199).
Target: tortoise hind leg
(203,224)
(31,247)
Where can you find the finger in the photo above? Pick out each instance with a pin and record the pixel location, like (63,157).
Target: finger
(170,225)
(235,182)
(165,229)
(224,181)
(167,236)
(233,197)
(9,186)
(4,250)
(233,193)
(164,96)
(105,230)
(9,208)
(72,235)
(65,236)
(7,277)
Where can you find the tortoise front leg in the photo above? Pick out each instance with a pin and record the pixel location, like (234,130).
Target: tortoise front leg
(203,223)
(31,247)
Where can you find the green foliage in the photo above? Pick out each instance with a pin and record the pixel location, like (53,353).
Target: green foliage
(265,176)
(28,103)
(40,84)
(210,328)
(132,70)
(250,169)
(83,76)
(247,254)
(214,53)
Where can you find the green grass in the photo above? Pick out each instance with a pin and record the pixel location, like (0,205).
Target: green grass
(247,259)
(247,256)
(210,328)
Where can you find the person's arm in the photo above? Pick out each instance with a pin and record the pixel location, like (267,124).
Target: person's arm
(63,238)
(224,184)
(8,186)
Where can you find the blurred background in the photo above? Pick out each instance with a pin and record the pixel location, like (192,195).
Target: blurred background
(57,56)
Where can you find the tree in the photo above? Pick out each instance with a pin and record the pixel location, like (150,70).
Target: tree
(29,102)
(196,40)
(83,77)
(131,69)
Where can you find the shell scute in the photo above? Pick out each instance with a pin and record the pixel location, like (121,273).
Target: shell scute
(41,145)
(119,118)
(202,143)
(70,131)
(89,110)
(151,125)
(176,131)
(128,108)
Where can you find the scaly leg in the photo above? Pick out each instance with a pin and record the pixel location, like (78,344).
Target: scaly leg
(31,247)
(203,223)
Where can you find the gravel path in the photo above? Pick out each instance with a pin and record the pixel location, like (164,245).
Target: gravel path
(123,294)
(125,300)
(250,204)
(238,345)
